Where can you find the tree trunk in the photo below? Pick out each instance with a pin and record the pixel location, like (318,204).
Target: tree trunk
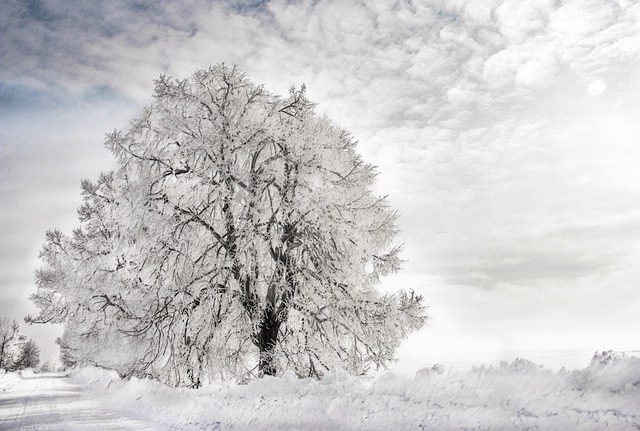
(2,365)
(267,341)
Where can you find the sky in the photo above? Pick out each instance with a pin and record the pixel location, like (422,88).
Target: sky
(506,135)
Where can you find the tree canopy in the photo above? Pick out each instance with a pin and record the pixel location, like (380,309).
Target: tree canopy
(239,236)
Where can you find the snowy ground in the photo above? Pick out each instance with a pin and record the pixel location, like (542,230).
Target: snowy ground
(516,396)
(52,401)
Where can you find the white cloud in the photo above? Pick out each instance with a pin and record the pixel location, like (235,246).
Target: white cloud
(579,19)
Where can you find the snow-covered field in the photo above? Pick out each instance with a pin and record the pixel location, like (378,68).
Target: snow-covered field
(515,396)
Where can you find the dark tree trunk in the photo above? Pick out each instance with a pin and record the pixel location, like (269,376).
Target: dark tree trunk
(2,364)
(273,316)
(267,341)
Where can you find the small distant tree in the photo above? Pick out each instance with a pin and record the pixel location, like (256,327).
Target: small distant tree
(46,366)
(239,232)
(9,338)
(29,356)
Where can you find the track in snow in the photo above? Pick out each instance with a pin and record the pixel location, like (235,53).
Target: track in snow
(52,402)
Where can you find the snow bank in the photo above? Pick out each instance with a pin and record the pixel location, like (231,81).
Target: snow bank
(8,380)
(94,377)
(519,395)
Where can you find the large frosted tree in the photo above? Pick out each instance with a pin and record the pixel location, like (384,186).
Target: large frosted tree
(238,236)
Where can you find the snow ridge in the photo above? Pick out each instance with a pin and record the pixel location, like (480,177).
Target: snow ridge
(513,396)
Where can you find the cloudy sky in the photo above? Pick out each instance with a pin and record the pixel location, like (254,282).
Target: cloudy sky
(507,135)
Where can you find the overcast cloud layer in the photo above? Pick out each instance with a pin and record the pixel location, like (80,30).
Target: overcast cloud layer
(506,134)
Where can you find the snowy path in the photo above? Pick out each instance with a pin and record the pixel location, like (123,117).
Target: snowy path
(51,401)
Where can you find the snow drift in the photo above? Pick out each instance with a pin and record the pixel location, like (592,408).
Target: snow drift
(516,396)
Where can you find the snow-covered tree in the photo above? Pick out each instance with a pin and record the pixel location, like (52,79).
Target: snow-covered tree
(239,233)
(46,367)
(9,339)
(29,356)
(11,344)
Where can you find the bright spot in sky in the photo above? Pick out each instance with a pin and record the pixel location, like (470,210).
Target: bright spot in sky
(596,87)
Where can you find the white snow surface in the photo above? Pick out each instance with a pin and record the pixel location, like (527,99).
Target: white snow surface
(516,396)
(54,402)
